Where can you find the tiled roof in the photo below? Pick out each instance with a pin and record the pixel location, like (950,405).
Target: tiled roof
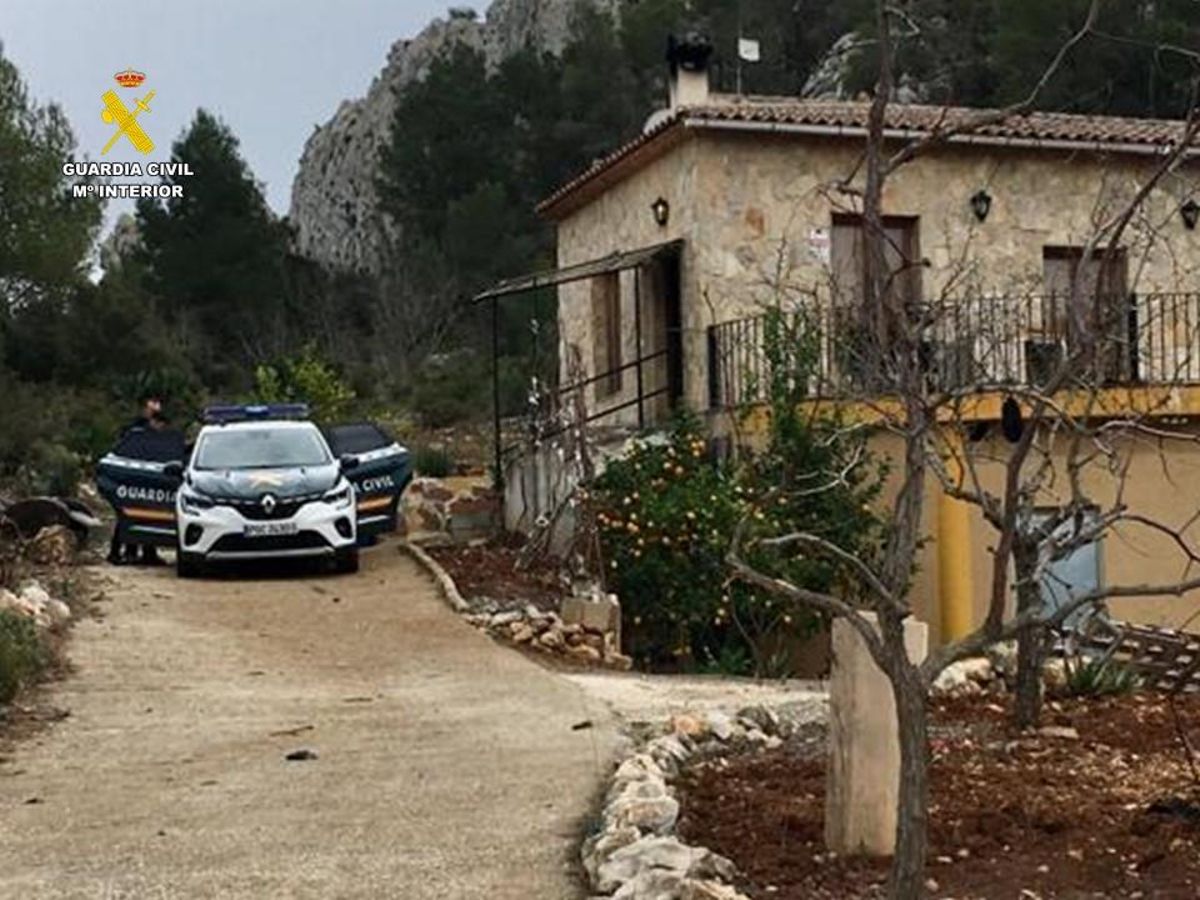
(1035,126)
(825,116)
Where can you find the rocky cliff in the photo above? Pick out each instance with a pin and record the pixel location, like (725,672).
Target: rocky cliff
(334,207)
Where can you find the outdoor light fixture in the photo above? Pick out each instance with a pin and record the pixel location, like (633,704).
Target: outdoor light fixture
(1191,213)
(662,212)
(981,204)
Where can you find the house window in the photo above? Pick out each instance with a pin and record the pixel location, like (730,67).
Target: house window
(606,333)
(855,347)
(1102,275)
(1101,282)
(901,253)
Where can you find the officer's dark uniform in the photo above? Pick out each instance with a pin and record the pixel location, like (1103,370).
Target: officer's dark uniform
(129,553)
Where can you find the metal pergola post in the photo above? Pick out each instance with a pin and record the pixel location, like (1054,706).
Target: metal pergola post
(637,330)
(498,448)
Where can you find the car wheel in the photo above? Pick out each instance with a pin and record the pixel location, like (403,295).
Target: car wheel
(188,565)
(346,561)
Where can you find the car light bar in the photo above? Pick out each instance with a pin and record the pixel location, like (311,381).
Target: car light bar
(223,415)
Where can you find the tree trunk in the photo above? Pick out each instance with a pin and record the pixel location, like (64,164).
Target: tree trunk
(1027,705)
(908,865)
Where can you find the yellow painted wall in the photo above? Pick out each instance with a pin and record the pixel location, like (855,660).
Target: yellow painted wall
(1161,482)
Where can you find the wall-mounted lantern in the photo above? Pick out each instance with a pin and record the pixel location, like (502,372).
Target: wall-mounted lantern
(662,212)
(1190,211)
(981,204)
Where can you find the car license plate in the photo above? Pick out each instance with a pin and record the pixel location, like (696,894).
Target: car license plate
(270,529)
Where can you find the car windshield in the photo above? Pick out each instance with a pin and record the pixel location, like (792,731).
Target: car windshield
(261,448)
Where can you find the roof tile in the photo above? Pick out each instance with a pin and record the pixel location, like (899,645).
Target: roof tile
(1116,132)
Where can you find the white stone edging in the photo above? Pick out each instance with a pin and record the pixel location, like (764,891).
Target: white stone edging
(529,627)
(635,853)
(448,588)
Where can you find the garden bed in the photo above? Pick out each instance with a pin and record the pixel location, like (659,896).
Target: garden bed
(489,572)
(1101,805)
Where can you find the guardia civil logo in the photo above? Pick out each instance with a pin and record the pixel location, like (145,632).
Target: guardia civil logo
(115,112)
(127,116)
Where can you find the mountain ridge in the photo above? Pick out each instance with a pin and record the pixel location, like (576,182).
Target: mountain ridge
(334,204)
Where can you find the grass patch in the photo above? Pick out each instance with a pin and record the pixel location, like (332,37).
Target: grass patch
(22,654)
(433,461)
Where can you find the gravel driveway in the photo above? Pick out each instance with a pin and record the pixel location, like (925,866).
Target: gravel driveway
(447,766)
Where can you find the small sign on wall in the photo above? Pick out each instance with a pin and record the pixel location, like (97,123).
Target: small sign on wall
(818,244)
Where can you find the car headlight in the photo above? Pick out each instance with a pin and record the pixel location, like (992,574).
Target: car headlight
(193,502)
(339,497)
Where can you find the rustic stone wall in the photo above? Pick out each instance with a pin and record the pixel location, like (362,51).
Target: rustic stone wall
(621,220)
(439,512)
(751,208)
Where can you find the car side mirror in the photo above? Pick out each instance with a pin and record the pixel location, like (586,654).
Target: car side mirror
(348,463)
(173,470)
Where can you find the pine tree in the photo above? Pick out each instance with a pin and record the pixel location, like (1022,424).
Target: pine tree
(215,258)
(45,232)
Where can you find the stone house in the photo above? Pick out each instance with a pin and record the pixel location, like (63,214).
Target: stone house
(671,247)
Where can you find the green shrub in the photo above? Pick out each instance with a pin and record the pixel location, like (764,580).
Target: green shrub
(433,461)
(1101,677)
(54,470)
(22,654)
(453,388)
(667,516)
(305,378)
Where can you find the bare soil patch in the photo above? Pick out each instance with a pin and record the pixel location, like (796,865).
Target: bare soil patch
(489,572)
(1113,813)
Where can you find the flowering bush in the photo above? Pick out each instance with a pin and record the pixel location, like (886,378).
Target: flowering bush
(667,513)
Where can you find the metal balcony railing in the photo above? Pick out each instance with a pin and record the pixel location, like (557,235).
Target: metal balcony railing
(968,343)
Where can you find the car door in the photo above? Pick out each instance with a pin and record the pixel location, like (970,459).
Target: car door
(383,471)
(132,478)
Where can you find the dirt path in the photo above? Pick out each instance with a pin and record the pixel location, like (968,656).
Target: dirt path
(447,765)
(637,698)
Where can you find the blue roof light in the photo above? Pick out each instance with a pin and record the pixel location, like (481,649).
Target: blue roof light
(225,414)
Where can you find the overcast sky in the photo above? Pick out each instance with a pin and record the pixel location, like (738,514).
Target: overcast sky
(272,69)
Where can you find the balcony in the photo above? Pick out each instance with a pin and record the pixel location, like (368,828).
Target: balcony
(975,343)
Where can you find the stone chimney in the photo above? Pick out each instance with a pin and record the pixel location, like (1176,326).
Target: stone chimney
(688,57)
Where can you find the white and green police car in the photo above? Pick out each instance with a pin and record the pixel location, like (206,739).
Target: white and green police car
(262,482)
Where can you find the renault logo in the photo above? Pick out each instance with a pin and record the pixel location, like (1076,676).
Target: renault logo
(268,504)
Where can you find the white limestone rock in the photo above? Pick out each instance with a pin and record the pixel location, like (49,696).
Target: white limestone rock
(662,853)
(964,677)
(721,725)
(652,885)
(656,814)
(599,847)
(334,206)
(709,890)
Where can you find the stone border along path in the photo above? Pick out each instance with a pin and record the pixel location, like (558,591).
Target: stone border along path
(634,853)
(446,585)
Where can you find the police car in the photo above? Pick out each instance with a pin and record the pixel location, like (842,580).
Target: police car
(262,482)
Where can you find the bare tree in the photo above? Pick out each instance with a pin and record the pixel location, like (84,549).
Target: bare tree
(930,418)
